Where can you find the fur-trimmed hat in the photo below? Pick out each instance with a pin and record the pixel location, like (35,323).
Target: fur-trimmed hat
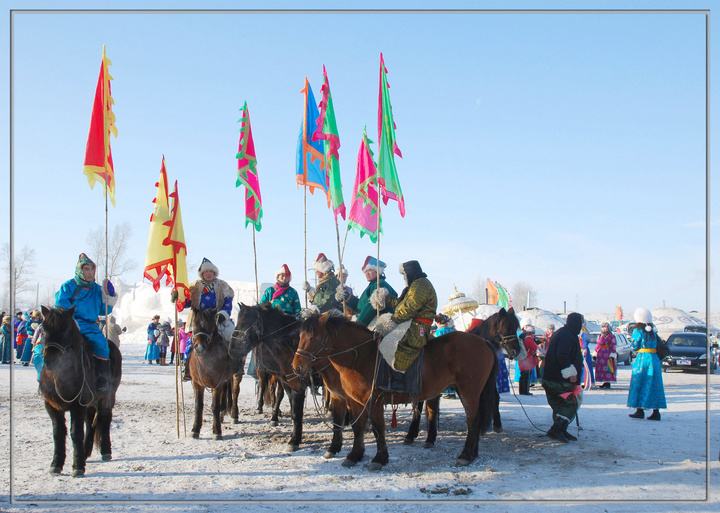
(643,315)
(373,263)
(323,264)
(207,265)
(284,269)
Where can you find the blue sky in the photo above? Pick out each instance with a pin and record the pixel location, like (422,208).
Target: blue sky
(565,151)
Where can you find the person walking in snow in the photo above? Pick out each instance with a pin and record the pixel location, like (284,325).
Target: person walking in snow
(646,383)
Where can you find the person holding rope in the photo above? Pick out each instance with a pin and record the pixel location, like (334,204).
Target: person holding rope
(417,303)
(323,296)
(361,306)
(563,363)
(90,300)
(209,292)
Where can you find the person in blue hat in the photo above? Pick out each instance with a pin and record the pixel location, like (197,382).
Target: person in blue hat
(361,306)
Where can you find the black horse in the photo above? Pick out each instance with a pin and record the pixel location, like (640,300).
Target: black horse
(489,330)
(67,383)
(274,336)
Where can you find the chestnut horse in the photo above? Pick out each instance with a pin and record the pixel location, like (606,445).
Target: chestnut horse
(458,358)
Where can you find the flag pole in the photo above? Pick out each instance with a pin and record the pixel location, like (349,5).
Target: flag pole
(340,259)
(305,221)
(379,217)
(257,286)
(177,373)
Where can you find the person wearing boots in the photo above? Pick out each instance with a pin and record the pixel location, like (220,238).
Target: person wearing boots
(563,363)
(209,291)
(646,383)
(90,300)
(417,303)
(529,363)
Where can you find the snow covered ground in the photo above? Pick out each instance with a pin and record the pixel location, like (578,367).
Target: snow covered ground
(617,460)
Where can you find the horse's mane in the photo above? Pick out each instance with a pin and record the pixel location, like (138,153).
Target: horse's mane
(287,333)
(333,323)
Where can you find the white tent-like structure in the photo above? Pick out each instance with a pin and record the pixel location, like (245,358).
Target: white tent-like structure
(670,320)
(540,319)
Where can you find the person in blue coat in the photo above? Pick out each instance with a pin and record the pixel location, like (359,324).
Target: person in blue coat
(6,338)
(646,384)
(152,351)
(90,300)
(31,327)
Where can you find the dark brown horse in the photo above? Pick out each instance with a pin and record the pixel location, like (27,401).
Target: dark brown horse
(460,359)
(273,336)
(211,366)
(67,383)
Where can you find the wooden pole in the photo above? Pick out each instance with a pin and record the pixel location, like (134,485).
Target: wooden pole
(305,267)
(340,259)
(178,380)
(379,217)
(257,286)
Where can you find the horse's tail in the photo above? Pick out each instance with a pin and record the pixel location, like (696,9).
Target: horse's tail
(488,397)
(270,389)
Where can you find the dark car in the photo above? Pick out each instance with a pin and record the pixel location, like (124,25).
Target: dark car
(687,351)
(623,347)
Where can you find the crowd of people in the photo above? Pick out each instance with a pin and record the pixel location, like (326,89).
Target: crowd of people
(558,360)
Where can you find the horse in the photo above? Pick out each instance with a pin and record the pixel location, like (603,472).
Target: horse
(211,366)
(458,358)
(67,383)
(274,337)
(489,330)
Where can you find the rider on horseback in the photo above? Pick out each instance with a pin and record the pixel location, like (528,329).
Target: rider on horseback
(281,295)
(210,292)
(323,296)
(417,303)
(90,301)
(361,306)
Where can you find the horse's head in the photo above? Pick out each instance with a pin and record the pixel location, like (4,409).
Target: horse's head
(313,340)
(503,329)
(248,330)
(204,326)
(60,330)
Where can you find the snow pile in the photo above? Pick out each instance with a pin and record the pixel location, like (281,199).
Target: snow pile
(670,320)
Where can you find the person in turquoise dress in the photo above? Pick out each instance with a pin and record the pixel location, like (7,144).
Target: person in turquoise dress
(646,383)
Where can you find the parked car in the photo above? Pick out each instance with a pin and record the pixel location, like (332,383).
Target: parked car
(688,351)
(623,347)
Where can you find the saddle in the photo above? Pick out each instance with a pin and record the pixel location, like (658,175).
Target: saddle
(390,380)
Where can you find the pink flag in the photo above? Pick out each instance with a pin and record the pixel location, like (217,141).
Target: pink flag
(364,214)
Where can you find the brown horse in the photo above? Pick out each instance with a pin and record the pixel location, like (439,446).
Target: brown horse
(210,366)
(460,359)
(67,383)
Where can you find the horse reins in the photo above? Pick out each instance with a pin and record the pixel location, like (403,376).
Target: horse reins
(84,380)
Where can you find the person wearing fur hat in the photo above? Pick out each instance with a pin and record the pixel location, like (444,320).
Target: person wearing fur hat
(90,300)
(417,303)
(281,295)
(323,296)
(210,292)
(361,306)
(646,383)
(563,363)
